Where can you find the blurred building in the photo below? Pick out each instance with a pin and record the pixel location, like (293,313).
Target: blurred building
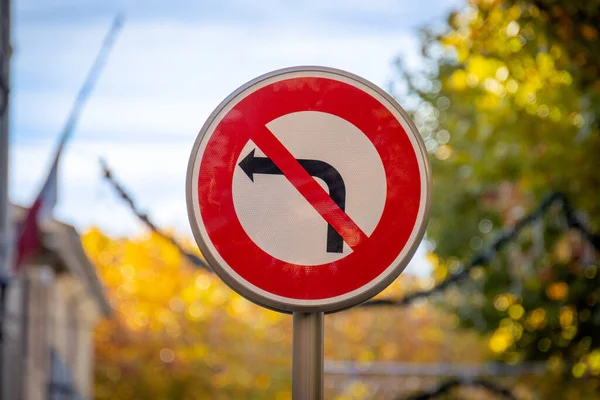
(48,326)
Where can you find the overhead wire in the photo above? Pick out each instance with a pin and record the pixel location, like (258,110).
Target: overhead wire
(124,195)
(485,256)
(479,259)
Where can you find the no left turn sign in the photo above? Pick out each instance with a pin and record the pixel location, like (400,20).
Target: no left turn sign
(308,189)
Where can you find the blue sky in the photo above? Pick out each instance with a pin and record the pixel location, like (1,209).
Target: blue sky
(172,64)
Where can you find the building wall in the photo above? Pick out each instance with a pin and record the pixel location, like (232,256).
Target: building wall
(74,334)
(56,314)
(39,321)
(14,365)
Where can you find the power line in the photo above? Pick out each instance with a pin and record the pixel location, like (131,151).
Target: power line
(90,81)
(486,255)
(480,258)
(108,175)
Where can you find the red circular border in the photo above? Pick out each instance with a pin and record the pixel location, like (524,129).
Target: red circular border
(370,258)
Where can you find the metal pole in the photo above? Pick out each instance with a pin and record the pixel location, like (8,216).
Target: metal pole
(5,55)
(307,356)
(5,242)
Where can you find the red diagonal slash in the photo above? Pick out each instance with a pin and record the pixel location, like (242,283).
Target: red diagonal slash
(309,188)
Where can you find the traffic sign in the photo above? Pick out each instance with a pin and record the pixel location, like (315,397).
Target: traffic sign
(308,190)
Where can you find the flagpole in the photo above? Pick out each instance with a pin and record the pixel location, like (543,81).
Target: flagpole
(89,83)
(5,232)
(5,54)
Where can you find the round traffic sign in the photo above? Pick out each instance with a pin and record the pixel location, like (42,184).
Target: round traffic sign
(308,189)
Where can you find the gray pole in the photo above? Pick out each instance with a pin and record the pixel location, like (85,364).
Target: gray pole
(5,54)
(307,356)
(5,242)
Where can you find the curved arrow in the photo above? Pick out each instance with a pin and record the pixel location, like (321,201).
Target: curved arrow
(319,169)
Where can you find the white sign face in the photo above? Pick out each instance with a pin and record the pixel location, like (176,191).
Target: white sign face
(308,190)
(309,135)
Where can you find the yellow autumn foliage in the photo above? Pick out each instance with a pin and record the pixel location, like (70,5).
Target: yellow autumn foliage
(179,333)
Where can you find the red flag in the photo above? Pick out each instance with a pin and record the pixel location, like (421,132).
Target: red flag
(29,241)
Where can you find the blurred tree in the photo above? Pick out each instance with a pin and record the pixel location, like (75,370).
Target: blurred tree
(180,333)
(508,102)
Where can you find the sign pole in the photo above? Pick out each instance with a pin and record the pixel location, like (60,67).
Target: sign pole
(307,356)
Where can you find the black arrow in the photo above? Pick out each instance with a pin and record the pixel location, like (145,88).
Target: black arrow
(319,169)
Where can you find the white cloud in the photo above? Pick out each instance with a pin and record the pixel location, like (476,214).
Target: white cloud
(165,85)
